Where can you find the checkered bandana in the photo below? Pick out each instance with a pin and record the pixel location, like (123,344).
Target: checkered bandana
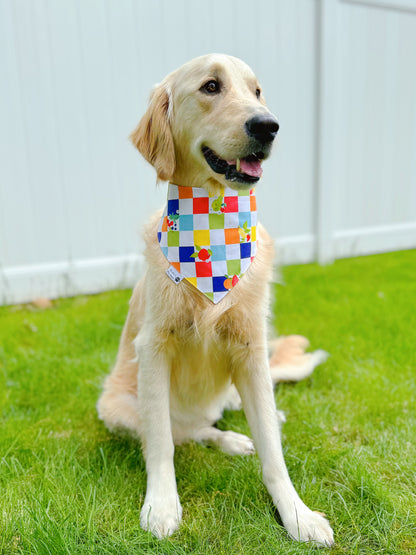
(209,240)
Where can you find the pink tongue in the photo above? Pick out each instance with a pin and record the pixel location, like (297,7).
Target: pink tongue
(250,168)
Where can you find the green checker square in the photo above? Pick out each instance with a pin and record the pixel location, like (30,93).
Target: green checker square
(210,296)
(244,193)
(173,238)
(216,221)
(233,267)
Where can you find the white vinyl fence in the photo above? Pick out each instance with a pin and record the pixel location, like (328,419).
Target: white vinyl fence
(74,80)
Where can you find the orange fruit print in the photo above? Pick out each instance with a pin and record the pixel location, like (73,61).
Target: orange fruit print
(231,282)
(228,283)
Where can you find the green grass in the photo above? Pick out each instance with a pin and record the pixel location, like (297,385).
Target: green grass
(68,486)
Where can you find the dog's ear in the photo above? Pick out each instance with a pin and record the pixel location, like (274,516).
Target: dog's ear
(153,136)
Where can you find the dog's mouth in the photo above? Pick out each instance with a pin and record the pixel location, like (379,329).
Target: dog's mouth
(243,170)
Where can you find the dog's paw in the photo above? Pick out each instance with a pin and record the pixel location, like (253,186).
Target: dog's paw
(233,443)
(305,525)
(161,515)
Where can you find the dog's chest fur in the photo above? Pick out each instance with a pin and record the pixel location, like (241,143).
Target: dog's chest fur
(202,341)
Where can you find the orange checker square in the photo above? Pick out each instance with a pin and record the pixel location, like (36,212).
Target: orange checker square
(176,265)
(184,192)
(253,203)
(165,224)
(231,236)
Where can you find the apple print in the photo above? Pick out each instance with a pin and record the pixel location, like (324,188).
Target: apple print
(201,253)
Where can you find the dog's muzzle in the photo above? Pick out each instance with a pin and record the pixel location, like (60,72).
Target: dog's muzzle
(261,130)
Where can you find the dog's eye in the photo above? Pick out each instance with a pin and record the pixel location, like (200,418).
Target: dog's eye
(211,87)
(258,93)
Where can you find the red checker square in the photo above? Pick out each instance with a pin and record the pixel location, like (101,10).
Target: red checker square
(203,269)
(201,205)
(184,192)
(231,204)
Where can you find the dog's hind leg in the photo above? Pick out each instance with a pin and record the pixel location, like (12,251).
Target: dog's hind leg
(229,442)
(119,411)
(118,405)
(289,362)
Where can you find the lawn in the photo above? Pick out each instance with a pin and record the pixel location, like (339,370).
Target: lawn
(69,486)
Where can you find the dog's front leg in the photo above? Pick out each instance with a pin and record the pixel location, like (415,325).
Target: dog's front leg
(253,381)
(161,512)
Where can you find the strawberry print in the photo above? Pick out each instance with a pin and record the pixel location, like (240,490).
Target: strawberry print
(173,222)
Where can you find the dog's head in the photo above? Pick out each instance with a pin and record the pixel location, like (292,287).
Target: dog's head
(207,125)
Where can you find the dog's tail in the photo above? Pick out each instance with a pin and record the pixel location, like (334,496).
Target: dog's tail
(288,360)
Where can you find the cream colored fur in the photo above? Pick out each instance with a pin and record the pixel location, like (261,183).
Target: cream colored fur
(182,359)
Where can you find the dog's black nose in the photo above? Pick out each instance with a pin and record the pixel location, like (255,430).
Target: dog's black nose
(262,128)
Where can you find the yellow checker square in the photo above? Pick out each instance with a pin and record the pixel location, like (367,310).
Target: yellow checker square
(192,280)
(253,233)
(201,237)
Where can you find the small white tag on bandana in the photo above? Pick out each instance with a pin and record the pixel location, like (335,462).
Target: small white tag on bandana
(174,275)
(209,241)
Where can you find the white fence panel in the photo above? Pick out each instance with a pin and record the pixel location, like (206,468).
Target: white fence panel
(74,80)
(368,134)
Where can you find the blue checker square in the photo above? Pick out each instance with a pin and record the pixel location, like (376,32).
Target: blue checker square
(245,250)
(244,217)
(173,206)
(159,236)
(218,283)
(185,254)
(218,252)
(186,222)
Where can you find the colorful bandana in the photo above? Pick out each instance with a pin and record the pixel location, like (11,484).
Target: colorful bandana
(209,240)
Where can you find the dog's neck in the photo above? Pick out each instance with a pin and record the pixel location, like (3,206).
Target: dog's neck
(209,240)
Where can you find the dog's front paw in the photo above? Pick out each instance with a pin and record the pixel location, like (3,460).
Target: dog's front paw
(161,515)
(305,525)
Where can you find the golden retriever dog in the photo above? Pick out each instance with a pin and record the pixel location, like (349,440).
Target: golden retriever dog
(183,358)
